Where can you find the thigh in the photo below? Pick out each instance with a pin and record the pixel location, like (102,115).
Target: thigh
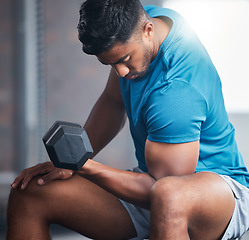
(203,201)
(82,206)
(212,204)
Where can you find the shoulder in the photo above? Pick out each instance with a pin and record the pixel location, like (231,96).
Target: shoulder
(174,91)
(174,112)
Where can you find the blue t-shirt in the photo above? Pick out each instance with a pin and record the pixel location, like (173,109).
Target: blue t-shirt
(180,100)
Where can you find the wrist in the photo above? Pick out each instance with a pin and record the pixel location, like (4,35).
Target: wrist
(87,168)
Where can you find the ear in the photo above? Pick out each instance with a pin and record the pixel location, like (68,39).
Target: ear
(148,31)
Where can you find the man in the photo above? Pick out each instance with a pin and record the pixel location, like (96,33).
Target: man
(191,182)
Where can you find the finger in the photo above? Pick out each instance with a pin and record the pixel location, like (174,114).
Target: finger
(18,179)
(56,174)
(39,169)
(27,174)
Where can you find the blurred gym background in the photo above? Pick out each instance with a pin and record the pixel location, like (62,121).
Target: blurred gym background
(44,77)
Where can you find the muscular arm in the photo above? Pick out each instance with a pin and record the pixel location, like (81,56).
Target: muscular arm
(162,159)
(129,186)
(105,121)
(107,116)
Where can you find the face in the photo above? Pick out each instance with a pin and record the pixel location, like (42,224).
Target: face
(130,60)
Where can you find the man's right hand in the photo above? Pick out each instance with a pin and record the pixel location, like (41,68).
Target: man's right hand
(48,171)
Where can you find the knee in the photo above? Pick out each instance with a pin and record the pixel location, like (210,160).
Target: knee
(169,210)
(164,189)
(167,195)
(23,200)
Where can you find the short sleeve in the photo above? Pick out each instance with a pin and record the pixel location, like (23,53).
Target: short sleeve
(174,113)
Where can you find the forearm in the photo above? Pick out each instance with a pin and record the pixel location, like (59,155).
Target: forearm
(129,186)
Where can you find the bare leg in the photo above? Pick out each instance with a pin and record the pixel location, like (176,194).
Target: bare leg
(76,203)
(197,206)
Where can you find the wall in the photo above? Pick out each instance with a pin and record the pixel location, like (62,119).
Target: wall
(6,86)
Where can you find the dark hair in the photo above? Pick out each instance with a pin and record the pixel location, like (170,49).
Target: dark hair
(103,23)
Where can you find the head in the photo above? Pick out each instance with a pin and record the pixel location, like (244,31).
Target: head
(113,31)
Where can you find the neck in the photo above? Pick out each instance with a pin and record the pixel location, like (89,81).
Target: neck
(162,29)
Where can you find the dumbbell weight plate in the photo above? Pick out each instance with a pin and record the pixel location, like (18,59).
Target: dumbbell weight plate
(67,145)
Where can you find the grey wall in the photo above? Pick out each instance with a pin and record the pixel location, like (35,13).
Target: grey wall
(241,124)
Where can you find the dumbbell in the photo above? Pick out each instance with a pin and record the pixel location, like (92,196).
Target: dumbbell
(67,145)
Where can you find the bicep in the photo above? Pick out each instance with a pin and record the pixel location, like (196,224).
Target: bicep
(166,159)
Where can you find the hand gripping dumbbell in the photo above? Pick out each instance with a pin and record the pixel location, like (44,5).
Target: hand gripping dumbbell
(67,145)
